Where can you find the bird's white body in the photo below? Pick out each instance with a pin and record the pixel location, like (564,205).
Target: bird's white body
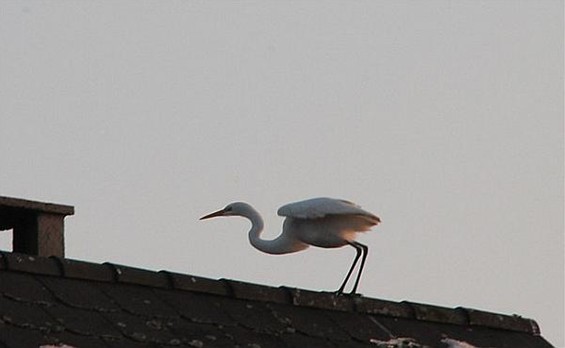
(326,222)
(321,222)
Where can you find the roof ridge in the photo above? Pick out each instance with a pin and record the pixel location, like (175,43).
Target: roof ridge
(115,273)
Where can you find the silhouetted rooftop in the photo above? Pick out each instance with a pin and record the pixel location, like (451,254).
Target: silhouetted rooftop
(57,301)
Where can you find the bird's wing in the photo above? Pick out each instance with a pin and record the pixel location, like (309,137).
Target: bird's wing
(316,208)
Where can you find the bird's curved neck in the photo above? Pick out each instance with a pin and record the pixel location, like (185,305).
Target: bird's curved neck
(280,245)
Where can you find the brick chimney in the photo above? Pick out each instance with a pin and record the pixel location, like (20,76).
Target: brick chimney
(38,227)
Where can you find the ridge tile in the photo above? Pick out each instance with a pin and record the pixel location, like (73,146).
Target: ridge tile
(85,270)
(500,321)
(250,291)
(138,276)
(438,314)
(322,300)
(383,307)
(31,264)
(197,284)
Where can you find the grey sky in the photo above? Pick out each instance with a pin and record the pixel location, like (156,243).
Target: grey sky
(445,118)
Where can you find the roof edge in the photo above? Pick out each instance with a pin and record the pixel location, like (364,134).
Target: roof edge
(115,273)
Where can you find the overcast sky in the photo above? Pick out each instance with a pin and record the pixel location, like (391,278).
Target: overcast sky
(444,118)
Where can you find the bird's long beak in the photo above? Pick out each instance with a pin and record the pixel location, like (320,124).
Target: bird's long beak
(214,214)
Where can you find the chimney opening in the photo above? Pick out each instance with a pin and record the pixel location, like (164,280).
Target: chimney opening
(6,237)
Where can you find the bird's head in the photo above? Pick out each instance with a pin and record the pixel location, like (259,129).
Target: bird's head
(232,209)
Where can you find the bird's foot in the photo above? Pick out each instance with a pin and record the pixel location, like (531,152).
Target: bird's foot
(352,294)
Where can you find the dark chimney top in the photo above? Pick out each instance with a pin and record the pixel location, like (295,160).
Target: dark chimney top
(38,227)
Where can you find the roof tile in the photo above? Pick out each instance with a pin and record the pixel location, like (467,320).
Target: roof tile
(15,337)
(122,343)
(355,344)
(312,322)
(138,300)
(25,288)
(148,330)
(423,332)
(199,334)
(250,338)
(301,340)
(430,333)
(65,338)
(79,294)
(253,315)
(26,315)
(199,308)
(82,322)
(360,327)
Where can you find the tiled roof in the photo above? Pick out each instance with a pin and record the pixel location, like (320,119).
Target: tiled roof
(62,302)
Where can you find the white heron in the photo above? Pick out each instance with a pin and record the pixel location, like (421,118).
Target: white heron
(322,222)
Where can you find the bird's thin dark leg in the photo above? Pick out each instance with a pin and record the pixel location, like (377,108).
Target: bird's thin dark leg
(359,251)
(365,252)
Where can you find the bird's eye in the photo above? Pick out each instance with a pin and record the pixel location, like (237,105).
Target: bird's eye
(227,209)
